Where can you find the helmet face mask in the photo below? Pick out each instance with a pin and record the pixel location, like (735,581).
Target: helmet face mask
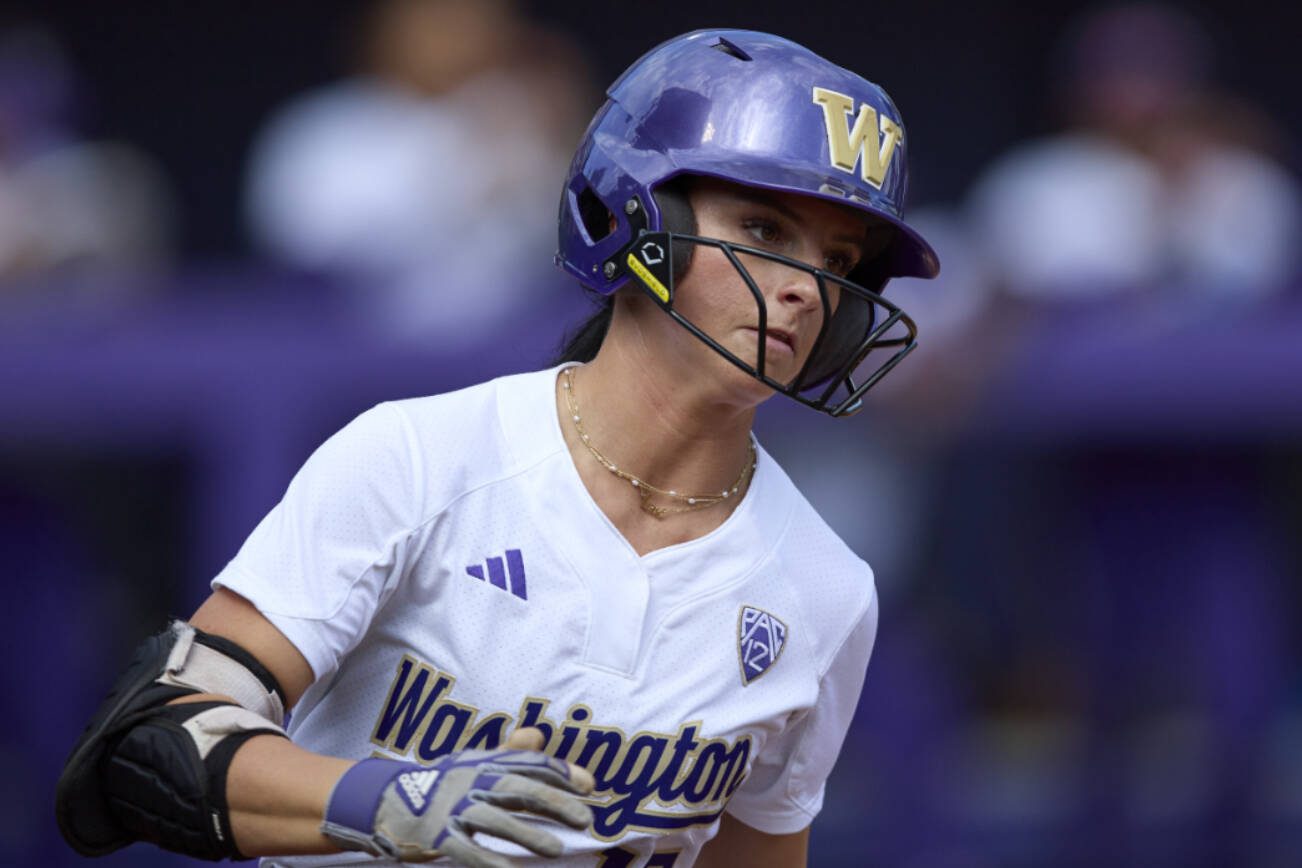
(759,111)
(851,326)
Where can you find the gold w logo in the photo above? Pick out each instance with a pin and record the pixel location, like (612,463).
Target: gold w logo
(851,145)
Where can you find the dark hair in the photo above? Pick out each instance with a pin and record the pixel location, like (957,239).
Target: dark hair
(581,345)
(676,214)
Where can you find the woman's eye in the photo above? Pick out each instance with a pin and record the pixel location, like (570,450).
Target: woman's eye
(839,263)
(763,230)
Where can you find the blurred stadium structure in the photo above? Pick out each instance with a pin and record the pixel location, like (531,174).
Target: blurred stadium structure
(1081,495)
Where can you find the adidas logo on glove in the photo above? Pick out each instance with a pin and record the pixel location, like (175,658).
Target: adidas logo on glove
(415,787)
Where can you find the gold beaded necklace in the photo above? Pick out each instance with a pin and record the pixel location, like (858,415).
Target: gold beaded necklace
(645,490)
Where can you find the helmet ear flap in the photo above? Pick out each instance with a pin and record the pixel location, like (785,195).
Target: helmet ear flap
(677,216)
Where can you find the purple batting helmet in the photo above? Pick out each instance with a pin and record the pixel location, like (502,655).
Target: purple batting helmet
(759,110)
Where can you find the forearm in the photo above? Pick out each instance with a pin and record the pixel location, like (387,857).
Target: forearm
(277,793)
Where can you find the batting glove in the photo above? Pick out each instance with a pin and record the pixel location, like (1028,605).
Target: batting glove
(416,813)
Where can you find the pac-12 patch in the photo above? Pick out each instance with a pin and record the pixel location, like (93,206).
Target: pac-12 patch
(760,639)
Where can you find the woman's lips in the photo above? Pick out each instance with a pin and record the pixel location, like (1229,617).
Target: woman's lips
(775,341)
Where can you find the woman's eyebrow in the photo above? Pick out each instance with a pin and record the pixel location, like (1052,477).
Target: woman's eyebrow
(759,197)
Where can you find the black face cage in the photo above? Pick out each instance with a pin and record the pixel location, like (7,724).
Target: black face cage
(846,338)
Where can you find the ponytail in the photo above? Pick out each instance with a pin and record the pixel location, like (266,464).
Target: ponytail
(582,344)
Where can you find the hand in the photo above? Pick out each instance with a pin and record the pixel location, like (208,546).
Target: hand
(417,813)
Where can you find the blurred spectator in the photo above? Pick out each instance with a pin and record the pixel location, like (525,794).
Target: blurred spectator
(429,178)
(68,204)
(1159,182)
(929,394)
(1234,219)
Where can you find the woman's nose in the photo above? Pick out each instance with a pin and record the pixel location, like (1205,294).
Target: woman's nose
(798,288)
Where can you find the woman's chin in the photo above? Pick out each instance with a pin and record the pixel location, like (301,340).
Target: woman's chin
(749,388)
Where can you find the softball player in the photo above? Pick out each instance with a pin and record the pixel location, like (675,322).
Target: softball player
(577,616)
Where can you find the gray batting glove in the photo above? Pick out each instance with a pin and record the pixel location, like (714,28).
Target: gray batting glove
(416,813)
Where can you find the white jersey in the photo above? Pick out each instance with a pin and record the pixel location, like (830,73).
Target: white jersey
(445,572)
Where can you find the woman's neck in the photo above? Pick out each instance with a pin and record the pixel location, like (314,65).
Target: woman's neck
(654,423)
(649,421)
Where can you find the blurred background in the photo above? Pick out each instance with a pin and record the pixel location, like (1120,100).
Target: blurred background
(226,229)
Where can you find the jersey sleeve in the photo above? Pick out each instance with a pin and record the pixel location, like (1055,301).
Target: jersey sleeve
(319,565)
(784,791)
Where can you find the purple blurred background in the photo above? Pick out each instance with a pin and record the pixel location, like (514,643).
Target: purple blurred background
(226,230)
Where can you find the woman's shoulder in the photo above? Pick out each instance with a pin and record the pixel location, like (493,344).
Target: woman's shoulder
(835,570)
(439,413)
(806,534)
(482,412)
(834,587)
(468,437)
